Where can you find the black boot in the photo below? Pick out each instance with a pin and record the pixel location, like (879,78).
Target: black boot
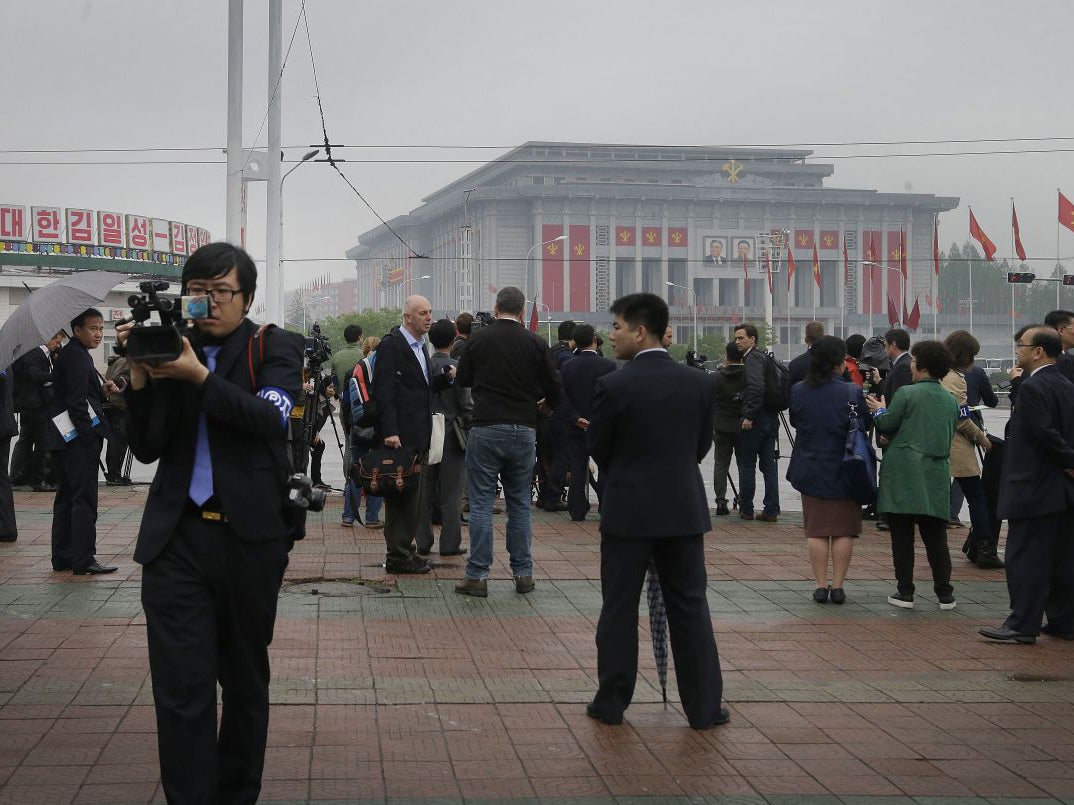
(987,557)
(970,547)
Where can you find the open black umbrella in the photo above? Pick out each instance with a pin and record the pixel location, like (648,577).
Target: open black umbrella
(50,309)
(658,627)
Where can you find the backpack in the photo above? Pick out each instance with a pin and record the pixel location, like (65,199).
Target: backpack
(364,411)
(777,385)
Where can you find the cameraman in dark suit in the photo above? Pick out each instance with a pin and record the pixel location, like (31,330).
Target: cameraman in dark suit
(76,386)
(654,509)
(33,398)
(579,384)
(1036,496)
(403,389)
(215,535)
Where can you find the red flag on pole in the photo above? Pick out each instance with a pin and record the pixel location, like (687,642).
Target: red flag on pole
(790,267)
(1066,212)
(816,266)
(768,268)
(936,246)
(902,254)
(746,265)
(1018,248)
(978,234)
(893,313)
(846,264)
(915,316)
(905,314)
(533,319)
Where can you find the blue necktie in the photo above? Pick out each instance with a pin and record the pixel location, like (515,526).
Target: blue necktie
(201,481)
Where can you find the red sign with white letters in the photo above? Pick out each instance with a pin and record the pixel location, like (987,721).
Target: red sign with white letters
(204,238)
(191,239)
(138,231)
(12,222)
(179,238)
(110,229)
(47,224)
(80,226)
(162,236)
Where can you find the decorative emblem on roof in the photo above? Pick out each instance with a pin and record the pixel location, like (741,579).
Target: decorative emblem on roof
(733,169)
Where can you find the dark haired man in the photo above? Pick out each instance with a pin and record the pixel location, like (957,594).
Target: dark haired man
(757,444)
(897,347)
(799,367)
(553,436)
(1062,321)
(729,384)
(1036,497)
(579,383)
(344,361)
(510,370)
(215,534)
(464,324)
(77,395)
(649,517)
(32,375)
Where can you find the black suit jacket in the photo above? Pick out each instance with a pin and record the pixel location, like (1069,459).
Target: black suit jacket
(898,376)
(799,367)
(31,373)
(404,396)
(580,384)
(75,386)
(247,439)
(1039,446)
(8,426)
(650,428)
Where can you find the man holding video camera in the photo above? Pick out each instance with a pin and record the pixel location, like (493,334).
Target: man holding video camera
(215,533)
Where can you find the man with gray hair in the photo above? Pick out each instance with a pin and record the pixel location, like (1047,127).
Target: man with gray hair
(510,371)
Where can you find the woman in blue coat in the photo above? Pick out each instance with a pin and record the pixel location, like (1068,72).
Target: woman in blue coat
(820,412)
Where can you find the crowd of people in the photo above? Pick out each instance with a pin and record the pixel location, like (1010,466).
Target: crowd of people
(486,409)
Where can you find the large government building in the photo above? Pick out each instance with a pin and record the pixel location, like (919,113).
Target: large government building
(577,224)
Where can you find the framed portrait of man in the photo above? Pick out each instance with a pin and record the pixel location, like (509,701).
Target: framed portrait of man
(715,250)
(744,248)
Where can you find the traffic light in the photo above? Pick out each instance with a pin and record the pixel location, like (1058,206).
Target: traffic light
(1068,279)
(1020,276)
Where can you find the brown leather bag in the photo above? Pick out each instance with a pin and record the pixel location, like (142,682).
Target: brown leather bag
(388,472)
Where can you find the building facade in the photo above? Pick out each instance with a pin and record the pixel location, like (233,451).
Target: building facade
(712,230)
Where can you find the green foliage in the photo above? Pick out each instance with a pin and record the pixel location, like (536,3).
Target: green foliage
(373,322)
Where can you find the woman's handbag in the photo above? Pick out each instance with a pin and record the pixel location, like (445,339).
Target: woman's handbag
(436,440)
(389,472)
(858,469)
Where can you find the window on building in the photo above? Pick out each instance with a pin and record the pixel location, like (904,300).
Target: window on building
(650,278)
(624,276)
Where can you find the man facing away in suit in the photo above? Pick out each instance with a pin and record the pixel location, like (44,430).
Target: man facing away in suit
(77,392)
(9,530)
(33,398)
(1036,496)
(403,388)
(653,510)
(799,367)
(215,534)
(579,383)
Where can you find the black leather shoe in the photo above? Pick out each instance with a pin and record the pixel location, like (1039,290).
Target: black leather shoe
(95,569)
(838,596)
(555,507)
(603,718)
(1051,631)
(9,538)
(416,567)
(44,488)
(820,595)
(722,510)
(1006,635)
(722,718)
(459,552)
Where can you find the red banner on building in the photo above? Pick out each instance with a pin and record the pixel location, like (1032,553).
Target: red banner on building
(872,277)
(803,238)
(677,237)
(552,266)
(579,252)
(829,239)
(651,235)
(624,236)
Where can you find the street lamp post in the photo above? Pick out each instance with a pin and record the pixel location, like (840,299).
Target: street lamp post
(694,293)
(529,254)
(305,158)
(893,268)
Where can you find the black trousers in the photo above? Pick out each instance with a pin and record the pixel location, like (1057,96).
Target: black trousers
(401,516)
(933,532)
(1040,572)
(578,461)
(210,609)
(8,527)
(680,562)
(441,492)
(316,454)
(74,512)
(556,439)
(116,454)
(28,455)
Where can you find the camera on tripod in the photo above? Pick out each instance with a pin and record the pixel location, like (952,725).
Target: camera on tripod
(317,350)
(161,343)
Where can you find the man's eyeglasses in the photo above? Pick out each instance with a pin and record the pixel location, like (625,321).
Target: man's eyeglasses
(1020,346)
(219,295)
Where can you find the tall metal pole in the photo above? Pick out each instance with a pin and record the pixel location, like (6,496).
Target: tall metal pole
(692,291)
(233,205)
(273,214)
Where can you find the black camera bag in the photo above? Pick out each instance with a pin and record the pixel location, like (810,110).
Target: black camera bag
(388,472)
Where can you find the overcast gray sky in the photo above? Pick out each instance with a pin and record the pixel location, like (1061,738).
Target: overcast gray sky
(152,73)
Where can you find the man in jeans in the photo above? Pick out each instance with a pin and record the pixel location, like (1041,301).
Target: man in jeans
(510,370)
(757,443)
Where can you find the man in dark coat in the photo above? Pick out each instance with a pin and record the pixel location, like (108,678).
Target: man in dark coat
(553,433)
(33,398)
(215,534)
(897,347)
(760,429)
(729,383)
(799,367)
(579,384)
(649,516)
(403,389)
(9,530)
(78,397)
(1036,497)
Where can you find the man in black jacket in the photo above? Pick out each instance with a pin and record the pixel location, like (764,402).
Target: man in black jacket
(579,384)
(1036,497)
(77,396)
(553,433)
(215,533)
(33,398)
(510,370)
(654,510)
(799,367)
(730,387)
(403,388)
(9,530)
(760,428)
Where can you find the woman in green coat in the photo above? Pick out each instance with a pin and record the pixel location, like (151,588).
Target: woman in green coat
(915,485)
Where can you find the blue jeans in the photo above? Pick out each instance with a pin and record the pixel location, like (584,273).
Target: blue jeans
(758,443)
(352,496)
(507,451)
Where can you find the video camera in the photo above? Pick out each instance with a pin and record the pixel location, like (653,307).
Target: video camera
(303,495)
(317,350)
(482,319)
(160,343)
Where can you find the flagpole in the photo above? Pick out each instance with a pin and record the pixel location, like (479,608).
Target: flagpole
(789,245)
(936,275)
(1014,350)
(1060,279)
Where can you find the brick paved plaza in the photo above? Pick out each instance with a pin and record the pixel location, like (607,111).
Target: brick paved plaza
(400,690)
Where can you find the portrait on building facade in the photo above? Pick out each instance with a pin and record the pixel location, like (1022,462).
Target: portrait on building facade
(715,250)
(743,248)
